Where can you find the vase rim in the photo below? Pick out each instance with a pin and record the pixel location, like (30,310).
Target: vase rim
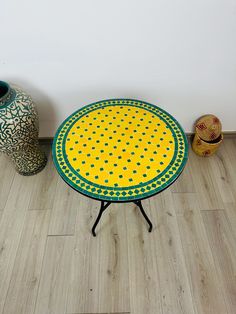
(4,90)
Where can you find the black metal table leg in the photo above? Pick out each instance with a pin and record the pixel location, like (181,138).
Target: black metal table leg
(139,204)
(102,208)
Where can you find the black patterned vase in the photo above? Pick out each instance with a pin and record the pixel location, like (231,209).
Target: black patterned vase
(19,129)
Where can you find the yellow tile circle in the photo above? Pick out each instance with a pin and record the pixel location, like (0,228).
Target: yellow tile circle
(120,150)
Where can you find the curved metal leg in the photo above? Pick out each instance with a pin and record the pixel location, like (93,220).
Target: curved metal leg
(102,208)
(139,204)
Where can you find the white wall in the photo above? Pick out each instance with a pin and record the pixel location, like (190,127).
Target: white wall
(179,54)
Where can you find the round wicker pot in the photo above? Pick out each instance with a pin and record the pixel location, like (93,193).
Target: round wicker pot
(19,130)
(203,148)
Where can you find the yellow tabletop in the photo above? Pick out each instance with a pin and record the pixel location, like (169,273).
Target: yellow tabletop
(120,150)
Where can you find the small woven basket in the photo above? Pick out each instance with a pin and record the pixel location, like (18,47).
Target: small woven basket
(208,136)
(203,148)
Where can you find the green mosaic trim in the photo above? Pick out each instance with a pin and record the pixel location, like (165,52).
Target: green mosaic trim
(91,189)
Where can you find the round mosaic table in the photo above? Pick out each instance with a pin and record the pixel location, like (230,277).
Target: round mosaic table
(120,150)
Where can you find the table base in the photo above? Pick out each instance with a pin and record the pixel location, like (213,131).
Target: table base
(104,206)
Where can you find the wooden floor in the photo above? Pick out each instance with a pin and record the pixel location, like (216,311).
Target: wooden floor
(50,263)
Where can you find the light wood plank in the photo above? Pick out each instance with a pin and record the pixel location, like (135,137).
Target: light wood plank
(208,192)
(22,292)
(64,211)
(158,277)
(223,246)
(83,295)
(145,290)
(220,169)
(175,289)
(114,272)
(7,173)
(205,284)
(53,285)
(44,186)
(230,212)
(11,225)
(99,274)
(227,155)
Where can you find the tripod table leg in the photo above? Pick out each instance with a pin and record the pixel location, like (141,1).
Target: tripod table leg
(102,208)
(139,204)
